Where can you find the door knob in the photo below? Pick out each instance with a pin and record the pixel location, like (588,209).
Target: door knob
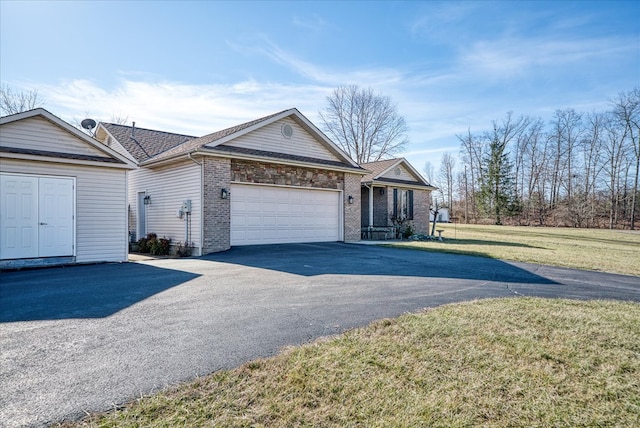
(43,224)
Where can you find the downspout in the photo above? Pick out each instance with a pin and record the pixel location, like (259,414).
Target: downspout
(201,165)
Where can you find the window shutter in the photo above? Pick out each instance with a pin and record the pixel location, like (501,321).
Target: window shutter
(395,203)
(410,204)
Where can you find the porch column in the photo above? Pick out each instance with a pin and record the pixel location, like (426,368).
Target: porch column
(371,206)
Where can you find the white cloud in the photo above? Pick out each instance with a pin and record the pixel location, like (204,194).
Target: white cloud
(313,23)
(513,57)
(180,107)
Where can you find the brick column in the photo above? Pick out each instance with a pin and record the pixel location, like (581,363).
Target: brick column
(421,205)
(216,222)
(352,212)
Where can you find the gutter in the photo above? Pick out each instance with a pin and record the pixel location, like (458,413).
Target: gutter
(188,155)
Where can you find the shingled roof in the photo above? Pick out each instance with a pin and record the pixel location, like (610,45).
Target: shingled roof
(200,142)
(147,143)
(377,168)
(149,146)
(380,167)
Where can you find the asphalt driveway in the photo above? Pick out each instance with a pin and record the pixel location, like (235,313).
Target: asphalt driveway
(88,338)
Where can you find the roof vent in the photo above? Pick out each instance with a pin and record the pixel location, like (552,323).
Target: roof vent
(287,130)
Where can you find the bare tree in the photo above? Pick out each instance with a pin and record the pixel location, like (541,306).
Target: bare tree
(627,111)
(445,179)
(12,102)
(365,125)
(472,152)
(429,172)
(591,146)
(614,150)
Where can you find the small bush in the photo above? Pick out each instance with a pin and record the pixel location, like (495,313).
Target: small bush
(151,244)
(183,249)
(160,247)
(143,245)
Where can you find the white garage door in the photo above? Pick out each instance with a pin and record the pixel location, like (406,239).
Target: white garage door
(36,216)
(278,215)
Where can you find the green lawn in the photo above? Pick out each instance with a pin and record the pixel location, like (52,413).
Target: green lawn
(592,249)
(493,363)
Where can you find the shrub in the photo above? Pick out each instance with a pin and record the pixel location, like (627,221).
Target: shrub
(160,247)
(150,244)
(183,249)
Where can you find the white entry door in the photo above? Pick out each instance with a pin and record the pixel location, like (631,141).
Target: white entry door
(277,215)
(55,215)
(36,216)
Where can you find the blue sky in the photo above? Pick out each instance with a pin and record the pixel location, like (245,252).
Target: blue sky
(197,67)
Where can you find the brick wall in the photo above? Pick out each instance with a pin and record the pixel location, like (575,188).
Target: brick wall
(352,211)
(216,220)
(421,204)
(382,206)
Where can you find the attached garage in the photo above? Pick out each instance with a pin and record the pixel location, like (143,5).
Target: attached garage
(62,194)
(262,214)
(276,179)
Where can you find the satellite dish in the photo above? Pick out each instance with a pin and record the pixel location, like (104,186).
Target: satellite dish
(88,124)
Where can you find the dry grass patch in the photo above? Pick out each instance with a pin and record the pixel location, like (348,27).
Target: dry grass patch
(495,363)
(592,249)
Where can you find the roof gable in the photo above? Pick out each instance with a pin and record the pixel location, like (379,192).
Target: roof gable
(38,133)
(397,170)
(237,140)
(284,136)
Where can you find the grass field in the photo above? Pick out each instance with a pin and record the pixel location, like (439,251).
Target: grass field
(493,363)
(593,249)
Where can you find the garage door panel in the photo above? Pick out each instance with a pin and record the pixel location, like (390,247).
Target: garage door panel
(266,215)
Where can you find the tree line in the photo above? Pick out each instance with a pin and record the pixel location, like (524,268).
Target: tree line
(578,169)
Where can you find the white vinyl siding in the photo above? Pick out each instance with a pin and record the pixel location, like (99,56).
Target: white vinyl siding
(101,232)
(167,188)
(404,174)
(269,138)
(36,133)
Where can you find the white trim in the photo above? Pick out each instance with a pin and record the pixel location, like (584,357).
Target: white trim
(408,166)
(258,158)
(69,128)
(391,184)
(52,158)
(284,185)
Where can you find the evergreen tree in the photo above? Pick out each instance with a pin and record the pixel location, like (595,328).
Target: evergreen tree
(497,192)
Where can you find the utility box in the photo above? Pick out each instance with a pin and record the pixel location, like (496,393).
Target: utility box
(186,206)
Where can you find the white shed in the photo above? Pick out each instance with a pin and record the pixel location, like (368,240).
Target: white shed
(443,215)
(62,194)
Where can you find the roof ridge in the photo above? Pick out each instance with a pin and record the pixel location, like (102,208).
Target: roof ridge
(149,130)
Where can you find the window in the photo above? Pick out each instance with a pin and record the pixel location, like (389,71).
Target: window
(403,204)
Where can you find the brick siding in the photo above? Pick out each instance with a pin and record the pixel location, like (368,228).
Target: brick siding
(421,205)
(216,220)
(352,211)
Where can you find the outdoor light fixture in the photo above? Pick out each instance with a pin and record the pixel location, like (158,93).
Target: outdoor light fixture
(224,194)
(350,198)
(382,191)
(147,200)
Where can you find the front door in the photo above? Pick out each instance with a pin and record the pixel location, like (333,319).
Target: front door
(36,216)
